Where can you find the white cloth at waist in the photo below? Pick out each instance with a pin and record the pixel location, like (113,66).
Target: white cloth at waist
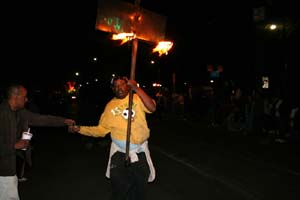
(122,145)
(133,157)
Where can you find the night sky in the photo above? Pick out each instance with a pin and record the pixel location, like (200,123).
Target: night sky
(52,39)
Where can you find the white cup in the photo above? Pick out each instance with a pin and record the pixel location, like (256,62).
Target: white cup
(26,136)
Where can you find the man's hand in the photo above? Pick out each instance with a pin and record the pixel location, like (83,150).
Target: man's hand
(74,128)
(69,122)
(22,144)
(132,84)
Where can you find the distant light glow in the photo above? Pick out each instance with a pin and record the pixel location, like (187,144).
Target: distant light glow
(156,85)
(71,86)
(273,26)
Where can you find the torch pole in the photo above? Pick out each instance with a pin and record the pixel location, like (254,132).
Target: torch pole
(132,76)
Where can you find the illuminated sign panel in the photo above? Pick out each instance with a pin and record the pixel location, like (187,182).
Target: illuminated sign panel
(117,17)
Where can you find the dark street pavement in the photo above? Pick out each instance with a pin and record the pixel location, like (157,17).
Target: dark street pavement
(192,161)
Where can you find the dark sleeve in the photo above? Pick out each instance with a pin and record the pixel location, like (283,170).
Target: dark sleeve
(36,119)
(2,132)
(7,136)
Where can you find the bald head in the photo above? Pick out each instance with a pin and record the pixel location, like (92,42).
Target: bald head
(17,96)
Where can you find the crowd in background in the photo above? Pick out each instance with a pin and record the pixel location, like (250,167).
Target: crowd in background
(258,111)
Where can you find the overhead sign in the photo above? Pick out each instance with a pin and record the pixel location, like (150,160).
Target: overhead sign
(116,16)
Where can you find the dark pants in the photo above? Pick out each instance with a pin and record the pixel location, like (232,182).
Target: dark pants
(129,182)
(24,162)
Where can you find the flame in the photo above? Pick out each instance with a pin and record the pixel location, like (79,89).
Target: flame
(163,47)
(123,36)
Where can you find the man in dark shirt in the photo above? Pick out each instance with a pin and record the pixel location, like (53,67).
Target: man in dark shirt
(15,119)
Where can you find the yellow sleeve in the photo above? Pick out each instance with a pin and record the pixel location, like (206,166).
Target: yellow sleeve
(100,130)
(94,131)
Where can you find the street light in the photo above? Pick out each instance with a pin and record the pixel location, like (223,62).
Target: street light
(273,26)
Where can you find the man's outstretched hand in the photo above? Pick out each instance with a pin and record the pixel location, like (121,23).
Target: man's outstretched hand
(74,128)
